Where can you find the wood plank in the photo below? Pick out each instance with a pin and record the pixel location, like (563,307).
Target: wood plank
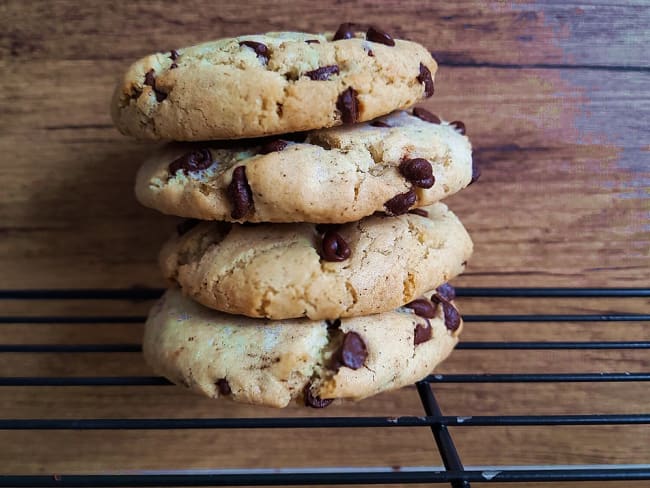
(573,33)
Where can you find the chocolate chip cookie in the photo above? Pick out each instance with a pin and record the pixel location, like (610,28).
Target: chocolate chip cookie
(273,83)
(314,362)
(335,175)
(282,271)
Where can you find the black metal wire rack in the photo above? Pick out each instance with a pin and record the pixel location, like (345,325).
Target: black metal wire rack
(454,473)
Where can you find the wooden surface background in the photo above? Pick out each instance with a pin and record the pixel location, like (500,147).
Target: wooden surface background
(556,99)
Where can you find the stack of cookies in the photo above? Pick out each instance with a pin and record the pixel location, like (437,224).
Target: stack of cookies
(314,262)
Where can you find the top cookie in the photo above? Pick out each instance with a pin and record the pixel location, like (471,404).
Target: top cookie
(274,83)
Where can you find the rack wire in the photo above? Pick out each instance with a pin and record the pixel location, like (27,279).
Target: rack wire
(454,473)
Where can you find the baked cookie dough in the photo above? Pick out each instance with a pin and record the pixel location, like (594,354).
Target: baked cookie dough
(272,363)
(273,83)
(281,271)
(337,175)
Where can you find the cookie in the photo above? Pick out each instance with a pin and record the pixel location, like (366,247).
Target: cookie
(331,176)
(273,83)
(272,363)
(281,271)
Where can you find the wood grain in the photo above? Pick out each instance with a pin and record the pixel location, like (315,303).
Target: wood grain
(556,100)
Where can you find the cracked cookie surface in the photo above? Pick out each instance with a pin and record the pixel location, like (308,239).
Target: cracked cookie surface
(281,271)
(272,363)
(332,176)
(273,83)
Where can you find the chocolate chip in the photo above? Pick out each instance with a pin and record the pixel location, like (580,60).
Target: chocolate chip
(323,73)
(260,49)
(348,105)
(419,211)
(240,193)
(425,115)
(273,146)
(379,36)
(400,203)
(425,77)
(370,53)
(423,308)
(334,247)
(150,80)
(173,55)
(422,333)
(322,228)
(459,126)
(224,387)
(314,401)
(452,317)
(353,351)
(379,123)
(192,161)
(418,171)
(186,225)
(345,31)
(444,292)
(312,41)
(476,172)
(333,324)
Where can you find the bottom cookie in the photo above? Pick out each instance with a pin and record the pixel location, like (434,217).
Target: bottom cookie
(271,363)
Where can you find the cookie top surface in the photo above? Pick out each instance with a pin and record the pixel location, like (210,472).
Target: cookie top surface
(282,271)
(273,83)
(332,176)
(272,363)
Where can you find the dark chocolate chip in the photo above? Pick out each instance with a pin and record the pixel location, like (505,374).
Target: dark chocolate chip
(459,126)
(348,105)
(444,292)
(452,317)
(323,73)
(423,308)
(333,324)
(240,193)
(273,146)
(192,161)
(323,228)
(314,401)
(425,115)
(418,171)
(186,225)
(173,55)
(150,80)
(379,123)
(425,77)
(422,333)
(353,351)
(379,36)
(260,49)
(419,211)
(345,31)
(370,53)
(312,41)
(224,387)
(401,203)
(476,172)
(334,247)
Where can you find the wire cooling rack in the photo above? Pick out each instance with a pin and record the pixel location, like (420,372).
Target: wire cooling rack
(453,474)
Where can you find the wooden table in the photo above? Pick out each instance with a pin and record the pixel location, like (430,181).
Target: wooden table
(556,100)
